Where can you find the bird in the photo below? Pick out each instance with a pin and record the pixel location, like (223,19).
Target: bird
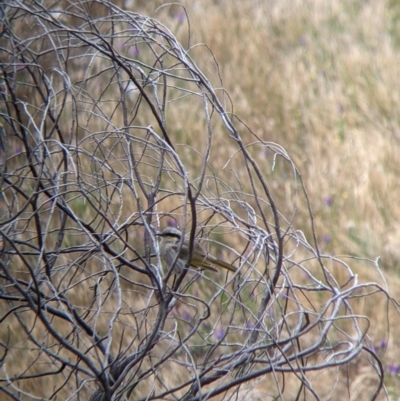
(201,260)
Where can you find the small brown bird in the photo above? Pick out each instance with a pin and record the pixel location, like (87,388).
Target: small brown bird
(169,246)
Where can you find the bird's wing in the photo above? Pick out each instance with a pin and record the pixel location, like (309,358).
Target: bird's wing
(199,257)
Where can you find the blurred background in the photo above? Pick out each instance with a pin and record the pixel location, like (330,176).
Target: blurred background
(320,79)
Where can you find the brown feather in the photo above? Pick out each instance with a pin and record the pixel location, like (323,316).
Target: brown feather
(200,259)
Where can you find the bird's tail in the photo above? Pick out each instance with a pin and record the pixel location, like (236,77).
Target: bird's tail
(221,263)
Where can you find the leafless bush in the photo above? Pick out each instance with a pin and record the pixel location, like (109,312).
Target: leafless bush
(110,132)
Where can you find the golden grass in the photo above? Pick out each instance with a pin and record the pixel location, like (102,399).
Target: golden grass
(322,81)
(313,78)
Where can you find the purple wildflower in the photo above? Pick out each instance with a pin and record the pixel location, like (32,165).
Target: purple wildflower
(303,40)
(326,239)
(270,312)
(394,369)
(181,17)
(187,316)
(134,51)
(219,334)
(172,223)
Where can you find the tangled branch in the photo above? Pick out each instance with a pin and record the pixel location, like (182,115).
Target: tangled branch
(111,132)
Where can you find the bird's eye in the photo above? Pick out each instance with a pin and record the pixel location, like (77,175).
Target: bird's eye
(174,235)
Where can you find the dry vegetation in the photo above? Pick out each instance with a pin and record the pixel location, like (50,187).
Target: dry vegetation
(99,154)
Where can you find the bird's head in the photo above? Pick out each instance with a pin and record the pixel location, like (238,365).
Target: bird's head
(170,234)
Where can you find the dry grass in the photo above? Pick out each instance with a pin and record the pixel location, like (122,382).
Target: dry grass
(322,81)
